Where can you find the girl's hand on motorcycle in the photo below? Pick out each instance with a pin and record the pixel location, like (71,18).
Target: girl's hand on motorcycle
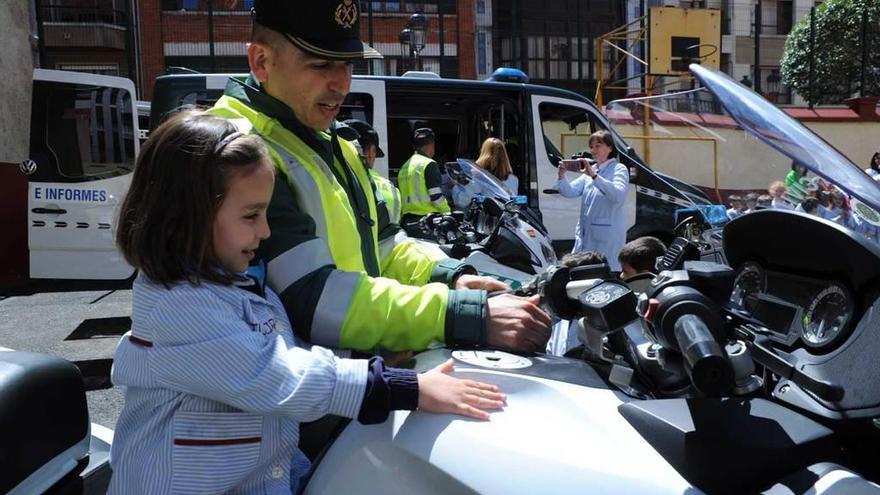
(478,282)
(441,393)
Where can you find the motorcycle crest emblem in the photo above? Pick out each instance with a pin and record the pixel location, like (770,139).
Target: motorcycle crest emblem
(346,14)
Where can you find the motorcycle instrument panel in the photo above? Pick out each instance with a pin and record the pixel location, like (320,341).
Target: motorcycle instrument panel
(796,309)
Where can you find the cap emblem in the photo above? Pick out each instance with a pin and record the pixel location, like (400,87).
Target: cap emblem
(346,13)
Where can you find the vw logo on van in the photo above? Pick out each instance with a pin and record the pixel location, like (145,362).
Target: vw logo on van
(28,167)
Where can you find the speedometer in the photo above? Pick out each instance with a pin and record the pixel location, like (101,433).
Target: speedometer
(750,280)
(826,316)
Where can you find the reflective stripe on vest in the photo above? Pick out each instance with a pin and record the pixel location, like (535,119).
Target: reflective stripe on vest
(323,198)
(414,191)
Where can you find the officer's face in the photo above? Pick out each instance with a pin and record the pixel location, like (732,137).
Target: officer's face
(370,155)
(312,87)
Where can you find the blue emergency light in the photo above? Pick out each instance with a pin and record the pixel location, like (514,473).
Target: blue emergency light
(509,74)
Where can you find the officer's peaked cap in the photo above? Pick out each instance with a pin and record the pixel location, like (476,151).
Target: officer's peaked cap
(367,134)
(328,29)
(423,135)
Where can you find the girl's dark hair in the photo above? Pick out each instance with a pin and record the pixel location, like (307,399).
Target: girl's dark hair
(165,226)
(605,137)
(874,165)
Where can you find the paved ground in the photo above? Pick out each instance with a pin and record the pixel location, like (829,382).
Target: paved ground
(82,327)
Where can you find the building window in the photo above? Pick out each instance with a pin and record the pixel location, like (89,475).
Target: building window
(481,6)
(400,6)
(103,69)
(482,59)
(202,5)
(201,63)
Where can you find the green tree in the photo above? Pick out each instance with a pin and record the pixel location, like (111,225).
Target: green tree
(838,52)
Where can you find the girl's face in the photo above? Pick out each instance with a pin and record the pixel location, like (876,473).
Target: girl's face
(240,223)
(837,201)
(600,150)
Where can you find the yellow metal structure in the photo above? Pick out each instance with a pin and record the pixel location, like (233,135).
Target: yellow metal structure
(622,40)
(647,139)
(676,35)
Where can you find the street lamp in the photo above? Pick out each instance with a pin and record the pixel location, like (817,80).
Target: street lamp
(406,42)
(418,26)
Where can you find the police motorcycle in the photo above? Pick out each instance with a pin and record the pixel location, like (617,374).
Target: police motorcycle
(48,444)
(754,376)
(496,232)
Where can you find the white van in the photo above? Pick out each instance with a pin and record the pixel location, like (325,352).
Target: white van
(83,144)
(84,140)
(539,124)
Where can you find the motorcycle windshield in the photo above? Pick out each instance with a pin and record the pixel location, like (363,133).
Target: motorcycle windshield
(731,142)
(474,180)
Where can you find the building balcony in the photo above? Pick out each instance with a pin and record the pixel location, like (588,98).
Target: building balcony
(83,27)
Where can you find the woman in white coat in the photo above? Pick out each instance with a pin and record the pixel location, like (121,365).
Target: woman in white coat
(602,189)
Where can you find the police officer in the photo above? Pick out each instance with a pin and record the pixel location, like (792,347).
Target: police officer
(420,181)
(323,253)
(368,140)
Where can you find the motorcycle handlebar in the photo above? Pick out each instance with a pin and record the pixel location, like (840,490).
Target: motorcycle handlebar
(704,358)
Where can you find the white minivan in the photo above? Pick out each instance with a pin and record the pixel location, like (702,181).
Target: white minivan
(83,144)
(539,125)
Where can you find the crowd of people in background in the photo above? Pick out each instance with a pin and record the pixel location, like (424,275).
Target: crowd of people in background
(813,195)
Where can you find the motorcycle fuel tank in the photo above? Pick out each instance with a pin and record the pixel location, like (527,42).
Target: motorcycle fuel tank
(552,437)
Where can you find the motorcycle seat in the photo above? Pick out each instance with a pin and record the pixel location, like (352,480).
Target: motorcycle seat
(44,421)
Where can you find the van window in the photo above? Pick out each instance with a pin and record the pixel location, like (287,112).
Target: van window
(566,130)
(81,131)
(167,101)
(357,106)
(400,131)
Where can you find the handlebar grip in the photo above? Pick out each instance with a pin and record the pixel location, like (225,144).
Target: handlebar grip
(705,359)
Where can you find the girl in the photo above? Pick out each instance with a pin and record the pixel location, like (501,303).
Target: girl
(796,182)
(216,383)
(493,159)
(602,225)
(778,192)
(874,166)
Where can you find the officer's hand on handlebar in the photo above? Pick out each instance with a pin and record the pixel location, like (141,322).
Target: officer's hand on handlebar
(518,324)
(478,282)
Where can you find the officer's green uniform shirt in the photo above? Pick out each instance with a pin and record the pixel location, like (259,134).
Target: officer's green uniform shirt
(323,255)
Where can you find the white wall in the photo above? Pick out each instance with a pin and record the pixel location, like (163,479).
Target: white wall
(739,154)
(16,58)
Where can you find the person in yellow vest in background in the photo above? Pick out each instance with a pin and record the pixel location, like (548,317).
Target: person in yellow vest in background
(323,257)
(368,140)
(419,180)
(387,195)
